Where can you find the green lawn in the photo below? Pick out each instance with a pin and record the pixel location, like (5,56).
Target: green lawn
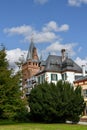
(37,126)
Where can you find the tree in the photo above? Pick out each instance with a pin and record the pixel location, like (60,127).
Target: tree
(56,103)
(78,105)
(11,104)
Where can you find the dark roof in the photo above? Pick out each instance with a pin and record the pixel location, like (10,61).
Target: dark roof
(83,78)
(54,64)
(78,76)
(30,50)
(69,64)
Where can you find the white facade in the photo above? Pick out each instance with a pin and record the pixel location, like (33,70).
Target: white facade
(54,77)
(71,76)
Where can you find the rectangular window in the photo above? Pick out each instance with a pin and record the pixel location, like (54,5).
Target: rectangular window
(53,77)
(64,76)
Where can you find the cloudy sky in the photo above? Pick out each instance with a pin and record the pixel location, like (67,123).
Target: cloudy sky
(54,24)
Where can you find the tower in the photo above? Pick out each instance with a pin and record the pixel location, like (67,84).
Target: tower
(31,66)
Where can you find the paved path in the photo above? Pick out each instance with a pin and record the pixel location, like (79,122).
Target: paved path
(82,123)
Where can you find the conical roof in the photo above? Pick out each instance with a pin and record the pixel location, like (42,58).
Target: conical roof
(30,50)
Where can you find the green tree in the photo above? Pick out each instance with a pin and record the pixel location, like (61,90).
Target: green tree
(11,104)
(56,103)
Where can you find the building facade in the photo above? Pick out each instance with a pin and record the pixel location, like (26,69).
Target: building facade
(83,83)
(54,68)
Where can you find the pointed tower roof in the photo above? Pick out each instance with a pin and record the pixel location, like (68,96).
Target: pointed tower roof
(30,50)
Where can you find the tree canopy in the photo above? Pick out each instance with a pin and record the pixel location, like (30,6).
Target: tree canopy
(56,103)
(11,104)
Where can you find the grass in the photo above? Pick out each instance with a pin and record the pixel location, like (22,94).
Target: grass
(37,126)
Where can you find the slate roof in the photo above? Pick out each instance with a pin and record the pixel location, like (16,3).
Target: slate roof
(69,64)
(83,78)
(54,64)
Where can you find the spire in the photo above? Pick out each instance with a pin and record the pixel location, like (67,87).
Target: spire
(30,50)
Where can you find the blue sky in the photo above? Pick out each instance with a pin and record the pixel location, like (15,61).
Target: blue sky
(55,24)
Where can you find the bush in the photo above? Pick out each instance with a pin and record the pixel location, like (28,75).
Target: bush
(56,103)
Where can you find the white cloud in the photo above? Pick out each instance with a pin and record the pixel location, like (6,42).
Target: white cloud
(47,33)
(41,37)
(56,47)
(41,1)
(81,62)
(64,27)
(77,2)
(16,55)
(20,30)
(53,26)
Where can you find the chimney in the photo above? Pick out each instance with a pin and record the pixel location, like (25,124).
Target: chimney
(83,70)
(63,52)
